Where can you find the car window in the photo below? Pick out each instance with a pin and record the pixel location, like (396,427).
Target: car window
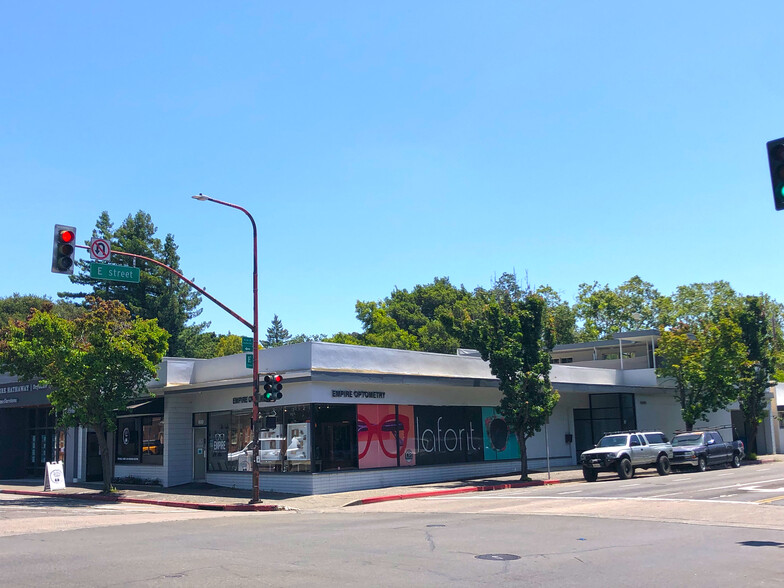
(716,437)
(612,441)
(656,438)
(695,439)
(635,441)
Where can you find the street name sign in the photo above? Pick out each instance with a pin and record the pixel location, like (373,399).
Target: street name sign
(249,361)
(115,273)
(247,344)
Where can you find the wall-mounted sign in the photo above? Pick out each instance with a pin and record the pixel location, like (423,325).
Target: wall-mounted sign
(357,394)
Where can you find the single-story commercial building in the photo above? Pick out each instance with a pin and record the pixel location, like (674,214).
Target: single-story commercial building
(355,417)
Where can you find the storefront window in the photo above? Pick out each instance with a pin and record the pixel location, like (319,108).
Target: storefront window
(140,440)
(128,440)
(335,436)
(218,443)
(297,439)
(152,440)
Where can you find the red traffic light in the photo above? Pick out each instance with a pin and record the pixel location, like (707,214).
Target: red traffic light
(67,236)
(278,378)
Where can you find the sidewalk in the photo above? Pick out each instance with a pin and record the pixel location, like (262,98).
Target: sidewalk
(209,497)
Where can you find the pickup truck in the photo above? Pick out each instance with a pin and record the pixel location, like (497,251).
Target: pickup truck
(702,449)
(624,451)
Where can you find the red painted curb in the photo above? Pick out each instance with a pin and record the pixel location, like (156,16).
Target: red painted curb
(462,490)
(191,505)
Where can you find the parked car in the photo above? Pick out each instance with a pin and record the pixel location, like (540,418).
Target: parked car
(703,449)
(625,451)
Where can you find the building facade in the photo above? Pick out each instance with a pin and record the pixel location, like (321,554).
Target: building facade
(355,417)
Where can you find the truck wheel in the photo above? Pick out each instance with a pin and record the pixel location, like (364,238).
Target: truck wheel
(702,464)
(625,469)
(663,465)
(590,474)
(735,460)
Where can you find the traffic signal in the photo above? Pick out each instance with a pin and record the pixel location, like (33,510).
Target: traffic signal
(273,384)
(776,161)
(64,250)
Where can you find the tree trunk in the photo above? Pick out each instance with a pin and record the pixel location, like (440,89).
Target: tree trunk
(106,458)
(751,436)
(523,458)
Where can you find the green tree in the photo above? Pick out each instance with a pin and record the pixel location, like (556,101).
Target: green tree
(18,307)
(517,343)
(95,364)
(692,303)
(277,335)
(759,367)
(228,345)
(704,360)
(562,317)
(633,305)
(159,294)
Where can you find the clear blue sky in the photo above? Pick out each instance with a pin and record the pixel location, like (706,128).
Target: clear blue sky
(383,144)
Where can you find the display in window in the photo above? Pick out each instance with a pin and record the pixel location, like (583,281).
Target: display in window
(499,440)
(385,435)
(297,448)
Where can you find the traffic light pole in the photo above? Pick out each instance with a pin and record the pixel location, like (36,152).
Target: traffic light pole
(254,326)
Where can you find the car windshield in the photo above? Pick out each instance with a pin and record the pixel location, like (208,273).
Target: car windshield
(687,440)
(613,441)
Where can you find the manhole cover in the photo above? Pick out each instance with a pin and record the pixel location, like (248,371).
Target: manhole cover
(498,556)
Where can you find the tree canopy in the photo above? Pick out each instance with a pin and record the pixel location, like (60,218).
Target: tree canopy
(159,294)
(95,363)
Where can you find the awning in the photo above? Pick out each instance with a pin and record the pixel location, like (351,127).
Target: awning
(140,407)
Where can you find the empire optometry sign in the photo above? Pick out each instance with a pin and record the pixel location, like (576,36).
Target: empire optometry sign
(357,394)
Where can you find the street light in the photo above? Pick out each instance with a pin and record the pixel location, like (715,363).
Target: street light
(255,414)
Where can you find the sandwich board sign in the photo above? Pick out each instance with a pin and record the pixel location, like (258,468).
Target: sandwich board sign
(54,479)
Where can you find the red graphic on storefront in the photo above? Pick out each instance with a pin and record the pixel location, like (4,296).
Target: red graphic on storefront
(384,435)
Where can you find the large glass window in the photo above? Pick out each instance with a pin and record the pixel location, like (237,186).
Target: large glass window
(127,440)
(140,440)
(152,440)
(335,435)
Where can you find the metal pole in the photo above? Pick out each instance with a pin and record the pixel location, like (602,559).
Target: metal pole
(255,414)
(547,445)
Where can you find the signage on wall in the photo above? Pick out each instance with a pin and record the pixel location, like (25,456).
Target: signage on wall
(357,394)
(9,400)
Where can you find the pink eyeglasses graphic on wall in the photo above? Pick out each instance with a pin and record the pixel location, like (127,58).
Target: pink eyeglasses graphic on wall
(392,445)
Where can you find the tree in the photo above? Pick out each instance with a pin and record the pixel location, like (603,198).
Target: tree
(631,306)
(95,364)
(276,334)
(705,362)
(517,343)
(759,368)
(561,316)
(18,307)
(159,294)
(695,302)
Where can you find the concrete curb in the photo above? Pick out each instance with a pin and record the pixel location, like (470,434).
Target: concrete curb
(463,490)
(169,503)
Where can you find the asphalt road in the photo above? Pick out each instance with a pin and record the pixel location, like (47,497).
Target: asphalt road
(715,531)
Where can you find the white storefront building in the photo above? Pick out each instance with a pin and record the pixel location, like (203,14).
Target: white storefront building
(355,417)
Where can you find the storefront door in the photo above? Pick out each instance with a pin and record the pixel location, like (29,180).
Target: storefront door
(199,453)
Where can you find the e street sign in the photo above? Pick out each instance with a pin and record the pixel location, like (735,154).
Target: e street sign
(115,273)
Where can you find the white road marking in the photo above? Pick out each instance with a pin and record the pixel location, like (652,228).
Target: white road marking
(571,492)
(739,485)
(631,499)
(668,494)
